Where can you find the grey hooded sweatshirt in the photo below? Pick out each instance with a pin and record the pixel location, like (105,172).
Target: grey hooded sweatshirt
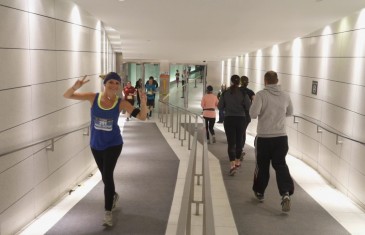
(271,106)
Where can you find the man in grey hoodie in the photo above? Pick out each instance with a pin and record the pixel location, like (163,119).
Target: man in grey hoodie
(271,106)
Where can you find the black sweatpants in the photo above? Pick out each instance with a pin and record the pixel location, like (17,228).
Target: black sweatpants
(272,150)
(106,161)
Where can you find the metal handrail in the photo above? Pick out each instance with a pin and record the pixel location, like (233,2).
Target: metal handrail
(321,127)
(184,222)
(49,146)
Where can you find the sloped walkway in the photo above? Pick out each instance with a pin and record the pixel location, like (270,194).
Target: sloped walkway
(145,178)
(252,217)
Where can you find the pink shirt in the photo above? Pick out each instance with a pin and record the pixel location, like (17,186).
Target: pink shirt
(209,101)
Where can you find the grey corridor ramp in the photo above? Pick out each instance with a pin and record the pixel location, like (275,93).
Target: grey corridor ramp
(145,178)
(306,217)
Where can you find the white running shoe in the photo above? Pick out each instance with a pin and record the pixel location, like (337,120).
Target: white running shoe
(285,203)
(108,219)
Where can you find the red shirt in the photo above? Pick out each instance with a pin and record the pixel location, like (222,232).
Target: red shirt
(129,92)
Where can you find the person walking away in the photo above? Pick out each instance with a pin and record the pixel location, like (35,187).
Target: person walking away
(151,90)
(138,86)
(251,95)
(209,104)
(221,111)
(106,141)
(177,76)
(271,106)
(234,101)
(129,93)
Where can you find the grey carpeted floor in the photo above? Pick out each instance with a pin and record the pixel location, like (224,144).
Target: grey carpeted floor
(145,178)
(252,217)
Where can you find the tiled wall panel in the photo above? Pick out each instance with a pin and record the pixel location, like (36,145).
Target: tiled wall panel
(42,32)
(19,4)
(17,114)
(357,158)
(72,37)
(16,184)
(16,136)
(11,222)
(358,127)
(43,65)
(14,28)
(14,69)
(43,7)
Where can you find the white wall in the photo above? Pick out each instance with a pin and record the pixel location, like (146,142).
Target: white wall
(334,57)
(45,46)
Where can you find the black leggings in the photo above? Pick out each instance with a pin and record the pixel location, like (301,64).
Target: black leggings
(248,120)
(209,126)
(234,127)
(106,161)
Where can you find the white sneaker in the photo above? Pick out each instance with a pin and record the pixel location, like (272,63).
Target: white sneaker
(285,203)
(115,200)
(108,219)
(213,137)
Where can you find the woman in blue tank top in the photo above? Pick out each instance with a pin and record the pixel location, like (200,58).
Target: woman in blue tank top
(106,141)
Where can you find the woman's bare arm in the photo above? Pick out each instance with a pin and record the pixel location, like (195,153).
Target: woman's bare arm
(72,94)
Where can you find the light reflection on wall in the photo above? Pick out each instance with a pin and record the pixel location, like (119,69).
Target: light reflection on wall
(222,75)
(98,46)
(229,71)
(236,66)
(296,53)
(325,52)
(241,65)
(259,64)
(275,58)
(104,59)
(246,64)
(75,33)
(357,70)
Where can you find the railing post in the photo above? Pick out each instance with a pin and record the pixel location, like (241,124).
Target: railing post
(87,133)
(338,141)
(295,120)
(51,148)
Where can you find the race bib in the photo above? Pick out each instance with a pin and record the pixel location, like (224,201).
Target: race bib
(103,124)
(129,97)
(150,92)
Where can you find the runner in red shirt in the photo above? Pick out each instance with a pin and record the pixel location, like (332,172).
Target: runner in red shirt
(129,93)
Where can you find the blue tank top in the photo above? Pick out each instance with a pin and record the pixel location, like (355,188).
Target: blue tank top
(104,127)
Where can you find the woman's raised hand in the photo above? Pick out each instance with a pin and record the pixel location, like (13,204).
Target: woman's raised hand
(142,96)
(79,83)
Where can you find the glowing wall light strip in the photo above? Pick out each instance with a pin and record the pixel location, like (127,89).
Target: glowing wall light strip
(296,53)
(325,51)
(275,58)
